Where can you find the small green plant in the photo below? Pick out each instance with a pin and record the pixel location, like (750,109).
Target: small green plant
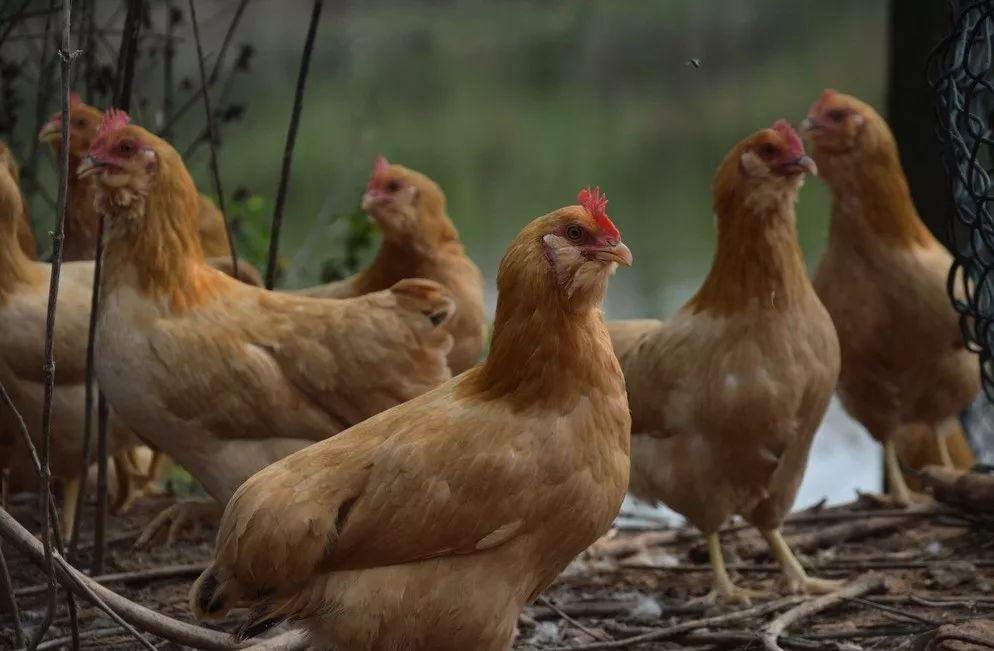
(358,239)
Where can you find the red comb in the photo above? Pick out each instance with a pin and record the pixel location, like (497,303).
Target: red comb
(380,165)
(113,120)
(826,96)
(794,143)
(595,203)
(74,100)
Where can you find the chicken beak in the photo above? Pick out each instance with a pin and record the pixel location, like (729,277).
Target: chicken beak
(88,166)
(618,253)
(50,132)
(373,199)
(800,164)
(807,164)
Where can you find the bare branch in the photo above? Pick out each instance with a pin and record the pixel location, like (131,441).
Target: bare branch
(291,139)
(215,173)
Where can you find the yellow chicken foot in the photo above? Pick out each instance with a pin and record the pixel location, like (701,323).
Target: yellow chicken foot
(795,580)
(724,591)
(124,474)
(897,488)
(178,517)
(70,491)
(942,434)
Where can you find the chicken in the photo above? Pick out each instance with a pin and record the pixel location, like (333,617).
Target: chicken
(223,377)
(24,286)
(25,235)
(431,525)
(419,241)
(883,279)
(82,217)
(727,394)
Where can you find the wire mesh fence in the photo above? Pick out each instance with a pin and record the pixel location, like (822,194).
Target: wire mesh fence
(960,71)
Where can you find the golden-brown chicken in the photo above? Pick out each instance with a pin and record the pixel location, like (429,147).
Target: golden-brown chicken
(430,526)
(223,377)
(883,279)
(24,286)
(25,236)
(419,241)
(727,394)
(82,217)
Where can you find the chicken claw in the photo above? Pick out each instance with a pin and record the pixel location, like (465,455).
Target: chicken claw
(724,590)
(795,580)
(179,516)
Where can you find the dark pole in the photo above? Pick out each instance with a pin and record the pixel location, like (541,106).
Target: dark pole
(915,29)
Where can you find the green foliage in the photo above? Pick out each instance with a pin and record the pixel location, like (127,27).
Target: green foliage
(251,222)
(358,240)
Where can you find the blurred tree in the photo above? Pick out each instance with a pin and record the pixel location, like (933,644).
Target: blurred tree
(915,29)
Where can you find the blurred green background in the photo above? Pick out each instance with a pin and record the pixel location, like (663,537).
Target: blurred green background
(512,106)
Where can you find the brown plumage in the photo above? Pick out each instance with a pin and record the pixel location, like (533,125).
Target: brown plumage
(224,377)
(24,285)
(883,279)
(727,394)
(25,236)
(431,525)
(419,241)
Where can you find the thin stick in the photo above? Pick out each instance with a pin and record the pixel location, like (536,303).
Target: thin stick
(126,55)
(140,616)
(150,574)
(215,173)
(169,53)
(91,337)
(65,62)
(8,590)
(123,83)
(678,629)
(864,585)
(100,522)
(228,37)
(576,623)
(58,642)
(291,139)
(13,21)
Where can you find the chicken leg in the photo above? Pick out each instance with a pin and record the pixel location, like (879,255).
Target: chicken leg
(896,486)
(70,491)
(795,579)
(177,517)
(724,590)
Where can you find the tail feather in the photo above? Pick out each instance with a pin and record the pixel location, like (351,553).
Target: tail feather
(211,598)
(428,297)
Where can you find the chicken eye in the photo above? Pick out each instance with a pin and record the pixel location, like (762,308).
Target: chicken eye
(393,186)
(836,115)
(768,151)
(574,233)
(126,147)
(81,122)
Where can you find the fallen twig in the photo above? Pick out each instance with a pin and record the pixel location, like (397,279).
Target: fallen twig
(559,611)
(131,612)
(678,629)
(151,574)
(771,632)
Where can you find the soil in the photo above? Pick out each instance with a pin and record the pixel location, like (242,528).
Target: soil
(938,566)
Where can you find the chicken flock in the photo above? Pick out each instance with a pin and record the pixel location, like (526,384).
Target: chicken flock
(378,485)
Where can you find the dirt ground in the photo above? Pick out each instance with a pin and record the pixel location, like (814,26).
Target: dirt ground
(929,567)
